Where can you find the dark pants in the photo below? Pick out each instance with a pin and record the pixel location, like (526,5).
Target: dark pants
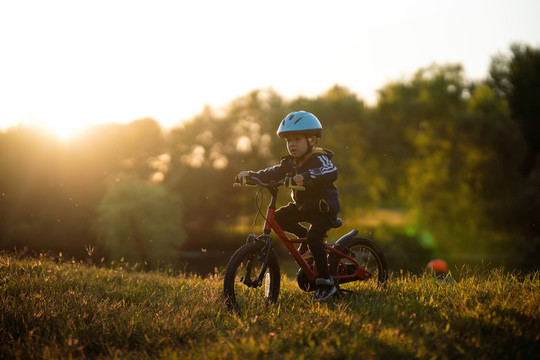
(288,218)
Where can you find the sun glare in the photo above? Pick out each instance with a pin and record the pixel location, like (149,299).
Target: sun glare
(64,130)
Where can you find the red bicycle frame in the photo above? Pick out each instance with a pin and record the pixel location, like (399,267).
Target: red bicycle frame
(311,273)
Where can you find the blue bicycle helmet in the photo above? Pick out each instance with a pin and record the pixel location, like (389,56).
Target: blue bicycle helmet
(301,122)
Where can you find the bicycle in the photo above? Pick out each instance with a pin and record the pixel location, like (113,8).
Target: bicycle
(255,266)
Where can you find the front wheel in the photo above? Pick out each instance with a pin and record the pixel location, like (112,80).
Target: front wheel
(367,254)
(241,284)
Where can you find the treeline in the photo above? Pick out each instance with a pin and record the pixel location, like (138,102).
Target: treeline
(441,165)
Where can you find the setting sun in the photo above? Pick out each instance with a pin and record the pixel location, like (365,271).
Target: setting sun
(65,129)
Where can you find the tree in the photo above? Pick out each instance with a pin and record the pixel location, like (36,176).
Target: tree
(421,125)
(37,210)
(139,221)
(208,151)
(517,79)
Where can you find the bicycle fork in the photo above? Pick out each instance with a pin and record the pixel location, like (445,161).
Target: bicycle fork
(267,248)
(265,252)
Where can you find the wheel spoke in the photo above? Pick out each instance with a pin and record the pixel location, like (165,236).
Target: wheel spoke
(368,256)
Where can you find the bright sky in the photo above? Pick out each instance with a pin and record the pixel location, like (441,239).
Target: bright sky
(67,64)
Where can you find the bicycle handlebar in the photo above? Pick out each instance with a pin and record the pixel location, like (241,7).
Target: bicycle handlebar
(287,182)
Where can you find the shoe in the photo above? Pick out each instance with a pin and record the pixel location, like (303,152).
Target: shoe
(325,289)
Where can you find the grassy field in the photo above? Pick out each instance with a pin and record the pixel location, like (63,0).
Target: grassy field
(61,309)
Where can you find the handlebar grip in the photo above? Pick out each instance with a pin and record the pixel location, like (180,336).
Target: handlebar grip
(242,182)
(288,182)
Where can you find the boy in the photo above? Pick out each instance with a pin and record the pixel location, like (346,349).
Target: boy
(319,203)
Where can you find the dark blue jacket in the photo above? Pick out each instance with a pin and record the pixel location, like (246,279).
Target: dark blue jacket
(319,174)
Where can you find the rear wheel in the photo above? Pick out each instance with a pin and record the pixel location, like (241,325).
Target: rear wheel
(241,284)
(367,254)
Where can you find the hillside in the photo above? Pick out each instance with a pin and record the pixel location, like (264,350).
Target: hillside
(53,308)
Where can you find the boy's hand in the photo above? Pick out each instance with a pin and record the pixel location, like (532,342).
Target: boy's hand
(298,179)
(241,175)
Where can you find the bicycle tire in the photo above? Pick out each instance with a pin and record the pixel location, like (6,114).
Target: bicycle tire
(238,295)
(368,255)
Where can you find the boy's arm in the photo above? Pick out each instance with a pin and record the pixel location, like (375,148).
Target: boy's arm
(276,172)
(323,171)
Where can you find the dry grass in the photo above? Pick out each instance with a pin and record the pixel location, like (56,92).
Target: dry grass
(55,309)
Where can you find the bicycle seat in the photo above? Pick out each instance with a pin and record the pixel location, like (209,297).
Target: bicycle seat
(337,223)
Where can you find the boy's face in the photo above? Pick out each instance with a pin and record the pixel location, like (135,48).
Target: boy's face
(298,145)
